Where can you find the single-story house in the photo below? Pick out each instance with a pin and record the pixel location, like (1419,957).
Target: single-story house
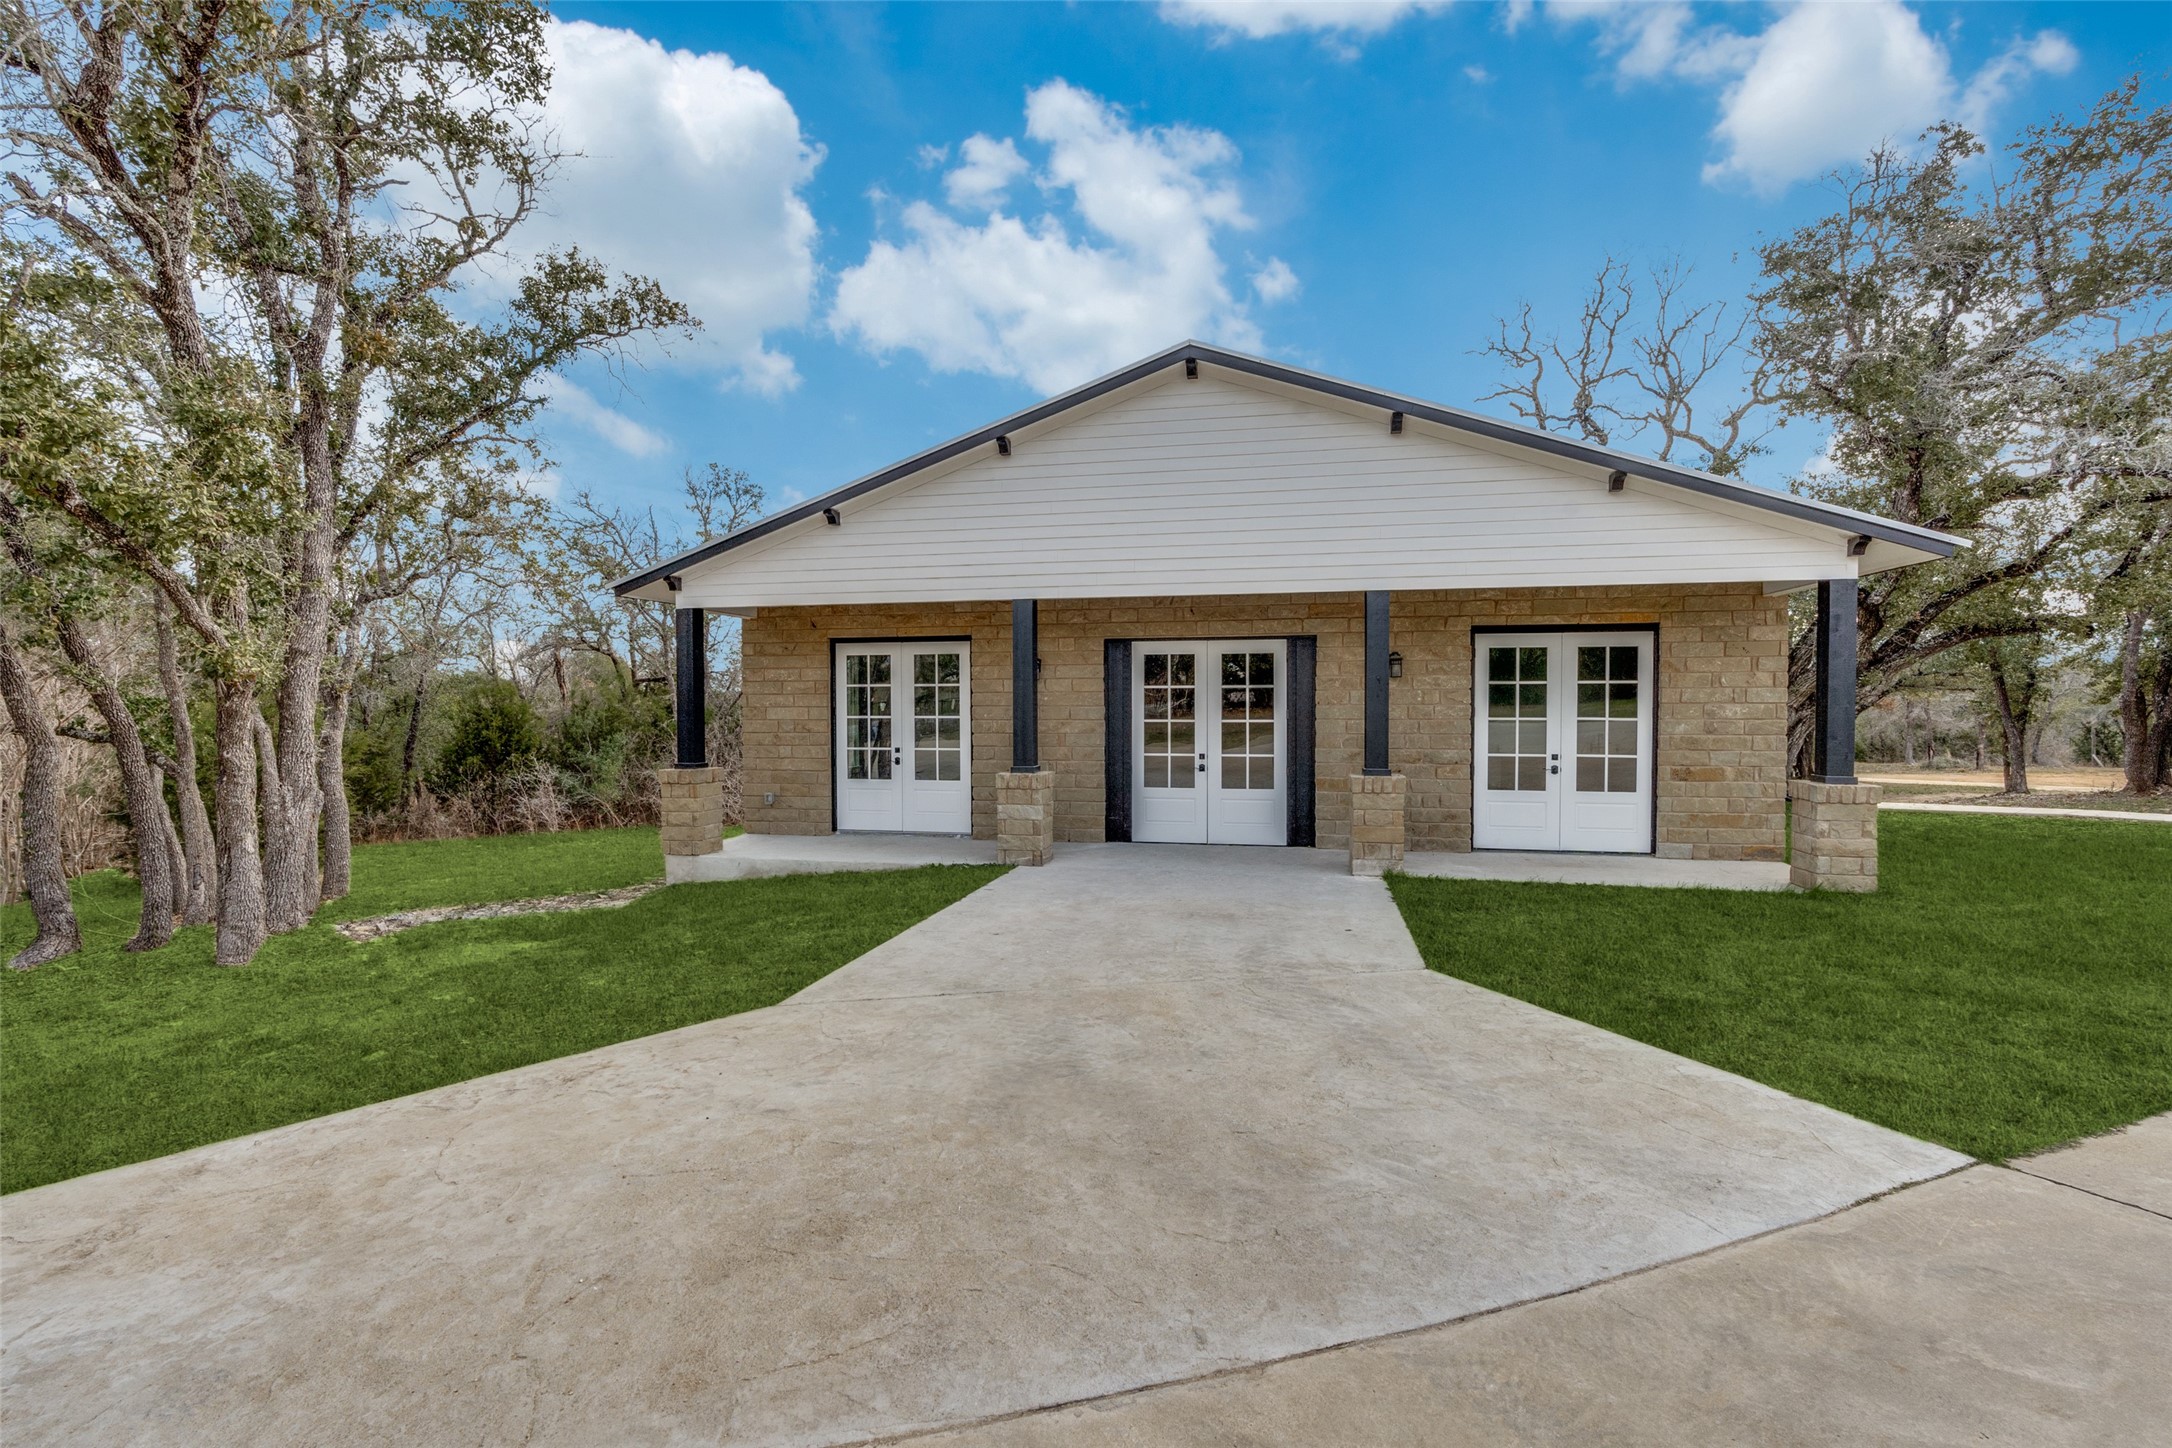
(1218,599)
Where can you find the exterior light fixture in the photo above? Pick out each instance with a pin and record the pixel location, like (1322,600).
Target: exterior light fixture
(1395,423)
(1191,369)
(1003,446)
(832,517)
(1616,481)
(1858,545)
(1395,665)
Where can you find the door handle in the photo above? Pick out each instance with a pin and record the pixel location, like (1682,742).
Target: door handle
(1553,769)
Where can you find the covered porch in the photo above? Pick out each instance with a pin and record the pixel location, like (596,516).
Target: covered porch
(1378,732)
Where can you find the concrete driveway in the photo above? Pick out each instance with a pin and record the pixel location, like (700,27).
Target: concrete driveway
(1145,1114)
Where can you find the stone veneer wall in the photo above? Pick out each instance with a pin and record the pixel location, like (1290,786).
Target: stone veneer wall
(1722,700)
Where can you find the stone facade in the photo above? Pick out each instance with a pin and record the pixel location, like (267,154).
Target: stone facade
(693,810)
(1835,836)
(1378,813)
(1721,728)
(1025,818)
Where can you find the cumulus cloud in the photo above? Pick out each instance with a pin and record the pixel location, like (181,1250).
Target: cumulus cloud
(1260,19)
(1820,86)
(986,170)
(690,171)
(577,404)
(1275,282)
(1119,255)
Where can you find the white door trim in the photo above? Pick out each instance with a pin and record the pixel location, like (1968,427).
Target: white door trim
(1556,772)
(1233,796)
(901,748)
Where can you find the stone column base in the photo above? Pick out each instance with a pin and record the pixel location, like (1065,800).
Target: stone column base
(1025,818)
(693,805)
(1376,822)
(1835,836)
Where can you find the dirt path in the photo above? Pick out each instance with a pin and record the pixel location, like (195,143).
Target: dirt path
(377,927)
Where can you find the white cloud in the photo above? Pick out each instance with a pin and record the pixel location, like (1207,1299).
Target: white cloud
(2045,53)
(690,171)
(1477,75)
(1275,282)
(1260,19)
(1122,257)
(1822,85)
(985,172)
(568,400)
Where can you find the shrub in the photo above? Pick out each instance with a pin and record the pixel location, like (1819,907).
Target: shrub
(493,734)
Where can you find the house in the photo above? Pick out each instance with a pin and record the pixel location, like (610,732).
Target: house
(1218,599)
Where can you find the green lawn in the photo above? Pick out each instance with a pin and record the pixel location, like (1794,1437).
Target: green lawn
(108,1058)
(2009,986)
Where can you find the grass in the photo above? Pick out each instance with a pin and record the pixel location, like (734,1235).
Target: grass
(111,1058)
(2009,987)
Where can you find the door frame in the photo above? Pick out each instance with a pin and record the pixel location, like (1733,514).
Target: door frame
(1471,653)
(965,725)
(1299,766)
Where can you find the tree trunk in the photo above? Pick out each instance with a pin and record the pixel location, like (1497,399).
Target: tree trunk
(332,784)
(2014,706)
(414,729)
(45,876)
(2137,760)
(146,803)
(2157,748)
(289,857)
(241,930)
(200,888)
(1982,745)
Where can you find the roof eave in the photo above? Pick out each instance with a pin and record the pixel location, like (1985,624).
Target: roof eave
(1846,520)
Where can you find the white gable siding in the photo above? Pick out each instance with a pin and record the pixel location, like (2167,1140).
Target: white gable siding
(1218,487)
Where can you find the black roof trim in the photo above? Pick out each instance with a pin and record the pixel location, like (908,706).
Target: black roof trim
(1824,514)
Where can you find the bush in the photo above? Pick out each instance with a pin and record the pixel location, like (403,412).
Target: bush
(494,734)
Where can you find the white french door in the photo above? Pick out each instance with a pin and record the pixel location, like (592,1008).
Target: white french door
(904,744)
(1209,742)
(1563,741)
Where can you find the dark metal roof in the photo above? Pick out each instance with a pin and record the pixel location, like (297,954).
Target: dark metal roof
(1733,490)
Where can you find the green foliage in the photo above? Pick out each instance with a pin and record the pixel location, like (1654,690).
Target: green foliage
(115,1058)
(493,734)
(604,738)
(1986,346)
(2008,987)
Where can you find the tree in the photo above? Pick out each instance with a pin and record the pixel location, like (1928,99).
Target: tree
(1647,367)
(1990,357)
(330,172)
(45,877)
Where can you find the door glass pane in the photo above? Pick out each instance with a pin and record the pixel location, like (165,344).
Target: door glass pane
(867,716)
(938,723)
(1248,711)
(1516,711)
(1170,707)
(1607,704)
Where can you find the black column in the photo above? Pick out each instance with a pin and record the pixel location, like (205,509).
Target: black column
(691,628)
(1376,682)
(1025,686)
(1832,748)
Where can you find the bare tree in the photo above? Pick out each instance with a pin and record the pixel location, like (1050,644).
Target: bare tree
(1646,367)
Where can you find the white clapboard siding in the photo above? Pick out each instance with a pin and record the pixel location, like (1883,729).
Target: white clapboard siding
(1218,486)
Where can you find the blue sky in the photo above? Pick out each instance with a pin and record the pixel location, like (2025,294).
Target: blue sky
(900,222)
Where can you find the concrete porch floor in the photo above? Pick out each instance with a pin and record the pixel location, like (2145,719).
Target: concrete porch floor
(1568,869)
(747,857)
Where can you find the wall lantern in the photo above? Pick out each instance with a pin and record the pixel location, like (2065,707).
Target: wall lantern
(832,517)
(1395,665)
